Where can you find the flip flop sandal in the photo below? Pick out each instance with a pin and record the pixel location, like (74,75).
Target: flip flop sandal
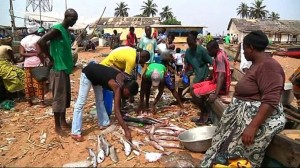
(103,127)
(77,138)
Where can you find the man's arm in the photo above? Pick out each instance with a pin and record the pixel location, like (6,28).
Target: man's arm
(42,43)
(142,95)
(160,92)
(207,58)
(117,103)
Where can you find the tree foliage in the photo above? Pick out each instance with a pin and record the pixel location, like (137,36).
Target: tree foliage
(274,16)
(121,10)
(149,8)
(166,13)
(243,10)
(171,21)
(257,10)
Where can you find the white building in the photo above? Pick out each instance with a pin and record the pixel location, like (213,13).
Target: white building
(277,30)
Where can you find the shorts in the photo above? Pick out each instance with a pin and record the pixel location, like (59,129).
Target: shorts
(61,90)
(204,88)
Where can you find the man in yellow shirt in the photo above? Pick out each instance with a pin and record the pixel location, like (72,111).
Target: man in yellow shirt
(125,59)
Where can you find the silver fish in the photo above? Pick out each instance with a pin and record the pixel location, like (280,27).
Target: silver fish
(137,144)
(137,153)
(109,129)
(127,147)
(169,144)
(152,130)
(174,128)
(113,155)
(155,145)
(93,157)
(101,153)
(165,137)
(140,131)
(105,145)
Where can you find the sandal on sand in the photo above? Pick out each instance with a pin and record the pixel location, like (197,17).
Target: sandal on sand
(103,127)
(77,138)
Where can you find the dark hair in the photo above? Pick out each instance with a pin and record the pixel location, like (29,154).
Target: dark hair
(213,44)
(146,54)
(178,50)
(132,86)
(194,34)
(257,39)
(171,35)
(131,28)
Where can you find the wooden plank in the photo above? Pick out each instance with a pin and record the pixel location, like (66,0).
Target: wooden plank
(285,150)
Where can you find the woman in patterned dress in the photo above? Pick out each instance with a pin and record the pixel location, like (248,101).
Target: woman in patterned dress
(28,49)
(255,114)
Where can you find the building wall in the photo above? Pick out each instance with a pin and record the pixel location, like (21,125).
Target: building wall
(278,37)
(139,31)
(180,33)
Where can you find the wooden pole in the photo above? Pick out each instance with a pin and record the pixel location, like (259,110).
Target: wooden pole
(98,20)
(13,25)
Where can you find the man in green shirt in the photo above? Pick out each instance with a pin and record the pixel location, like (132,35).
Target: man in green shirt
(196,57)
(227,39)
(156,76)
(61,58)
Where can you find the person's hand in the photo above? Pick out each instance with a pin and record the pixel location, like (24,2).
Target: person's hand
(248,135)
(128,135)
(212,97)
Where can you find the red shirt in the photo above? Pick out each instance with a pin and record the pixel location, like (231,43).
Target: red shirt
(131,40)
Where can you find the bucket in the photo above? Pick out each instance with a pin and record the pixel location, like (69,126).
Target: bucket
(108,97)
(287,94)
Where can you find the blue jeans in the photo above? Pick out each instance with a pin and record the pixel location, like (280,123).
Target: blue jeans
(84,88)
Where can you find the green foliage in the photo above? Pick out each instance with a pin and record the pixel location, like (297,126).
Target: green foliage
(171,21)
(166,13)
(121,10)
(149,8)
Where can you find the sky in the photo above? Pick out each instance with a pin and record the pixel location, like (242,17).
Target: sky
(214,14)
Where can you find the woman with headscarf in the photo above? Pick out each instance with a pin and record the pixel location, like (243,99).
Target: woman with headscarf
(255,114)
(28,49)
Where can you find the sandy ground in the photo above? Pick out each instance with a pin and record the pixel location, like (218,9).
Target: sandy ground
(22,126)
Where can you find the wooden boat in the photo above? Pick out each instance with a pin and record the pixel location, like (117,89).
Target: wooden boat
(284,151)
(295,48)
(293,53)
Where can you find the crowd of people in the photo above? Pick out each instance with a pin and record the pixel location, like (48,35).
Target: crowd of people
(247,126)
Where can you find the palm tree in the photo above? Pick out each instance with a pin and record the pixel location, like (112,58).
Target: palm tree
(274,16)
(166,14)
(257,10)
(121,10)
(149,8)
(243,10)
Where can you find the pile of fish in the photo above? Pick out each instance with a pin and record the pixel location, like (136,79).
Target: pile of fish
(159,134)
(105,149)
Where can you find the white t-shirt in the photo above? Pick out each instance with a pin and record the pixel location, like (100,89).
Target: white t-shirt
(178,58)
(29,44)
(244,63)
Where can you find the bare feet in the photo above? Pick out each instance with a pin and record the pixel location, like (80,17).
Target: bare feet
(60,132)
